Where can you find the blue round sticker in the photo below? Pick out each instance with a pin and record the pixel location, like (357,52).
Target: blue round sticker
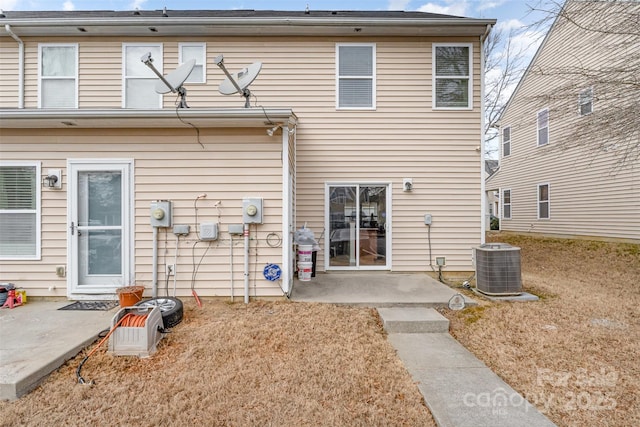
(272,272)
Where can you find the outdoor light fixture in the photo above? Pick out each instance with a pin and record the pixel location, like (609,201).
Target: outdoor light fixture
(53,179)
(271,131)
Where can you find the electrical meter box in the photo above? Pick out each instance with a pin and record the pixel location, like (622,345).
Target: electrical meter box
(252,210)
(160,213)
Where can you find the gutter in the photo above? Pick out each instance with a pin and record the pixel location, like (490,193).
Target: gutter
(7,28)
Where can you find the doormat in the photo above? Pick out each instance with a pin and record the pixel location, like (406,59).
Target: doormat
(91,305)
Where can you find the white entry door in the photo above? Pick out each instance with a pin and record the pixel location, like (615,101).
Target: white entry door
(99,227)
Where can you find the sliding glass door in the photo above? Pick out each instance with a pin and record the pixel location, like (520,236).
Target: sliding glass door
(357,226)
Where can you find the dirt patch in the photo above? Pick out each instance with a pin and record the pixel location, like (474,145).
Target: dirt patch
(280,364)
(574,353)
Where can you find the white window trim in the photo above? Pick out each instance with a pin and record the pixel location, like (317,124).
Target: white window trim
(502,199)
(503,142)
(124,69)
(38,231)
(203,45)
(433,76)
(538,128)
(580,103)
(372,77)
(548,201)
(40,77)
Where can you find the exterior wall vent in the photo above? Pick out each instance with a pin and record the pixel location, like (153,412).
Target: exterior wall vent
(498,270)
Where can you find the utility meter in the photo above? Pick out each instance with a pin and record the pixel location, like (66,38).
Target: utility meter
(252,210)
(161,213)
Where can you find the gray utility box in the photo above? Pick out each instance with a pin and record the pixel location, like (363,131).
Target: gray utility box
(498,270)
(138,341)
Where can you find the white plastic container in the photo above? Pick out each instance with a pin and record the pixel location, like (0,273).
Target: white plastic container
(305,253)
(304,271)
(136,341)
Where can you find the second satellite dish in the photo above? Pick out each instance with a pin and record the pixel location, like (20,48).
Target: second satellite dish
(238,82)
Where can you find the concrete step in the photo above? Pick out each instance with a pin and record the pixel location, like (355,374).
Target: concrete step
(413,320)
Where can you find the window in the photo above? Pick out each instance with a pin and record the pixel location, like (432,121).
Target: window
(452,76)
(506,141)
(585,102)
(506,204)
(356,79)
(543,201)
(138,80)
(195,51)
(58,75)
(543,127)
(19,210)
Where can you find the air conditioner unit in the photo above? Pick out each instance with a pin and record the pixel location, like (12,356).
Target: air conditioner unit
(498,270)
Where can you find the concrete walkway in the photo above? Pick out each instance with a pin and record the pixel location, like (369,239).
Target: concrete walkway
(37,338)
(458,388)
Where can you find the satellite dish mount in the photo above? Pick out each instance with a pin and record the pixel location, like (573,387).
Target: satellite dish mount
(238,82)
(174,80)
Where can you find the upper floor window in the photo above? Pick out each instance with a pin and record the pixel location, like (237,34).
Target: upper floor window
(138,80)
(19,210)
(197,51)
(585,102)
(543,201)
(452,76)
(356,76)
(58,75)
(506,141)
(543,127)
(506,204)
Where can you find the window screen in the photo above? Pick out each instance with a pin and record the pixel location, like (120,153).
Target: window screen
(543,127)
(18,212)
(138,79)
(58,75)
(506,141)
(356,76)
(585,102)
(543,201)
(506,204)
(452,76)
(195,51)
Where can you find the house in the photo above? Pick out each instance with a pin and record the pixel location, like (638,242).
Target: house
(355,124)
(570,158)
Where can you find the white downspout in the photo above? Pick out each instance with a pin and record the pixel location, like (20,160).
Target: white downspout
(483,195)
(245,232)
(7,27)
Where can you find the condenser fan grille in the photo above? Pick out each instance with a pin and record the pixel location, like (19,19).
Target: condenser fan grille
(498,270)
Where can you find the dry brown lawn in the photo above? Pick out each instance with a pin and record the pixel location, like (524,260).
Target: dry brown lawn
(262,364)
(575,354)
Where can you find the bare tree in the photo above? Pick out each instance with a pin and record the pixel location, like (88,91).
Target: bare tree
(604,65)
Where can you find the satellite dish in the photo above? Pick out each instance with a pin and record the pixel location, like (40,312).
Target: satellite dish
(176,78)
(238,82)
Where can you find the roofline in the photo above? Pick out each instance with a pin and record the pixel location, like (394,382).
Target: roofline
(285,24)
(164,118)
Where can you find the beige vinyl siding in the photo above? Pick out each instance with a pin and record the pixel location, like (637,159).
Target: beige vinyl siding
(169,164)
(591,194)
(402,137)
(8,73)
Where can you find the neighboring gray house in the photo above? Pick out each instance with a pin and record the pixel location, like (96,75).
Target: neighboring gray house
(570,152)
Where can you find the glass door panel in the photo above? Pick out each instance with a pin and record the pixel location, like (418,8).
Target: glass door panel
(372,222)
(357,226)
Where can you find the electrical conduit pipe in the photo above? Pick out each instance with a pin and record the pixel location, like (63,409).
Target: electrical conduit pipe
(245,232)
